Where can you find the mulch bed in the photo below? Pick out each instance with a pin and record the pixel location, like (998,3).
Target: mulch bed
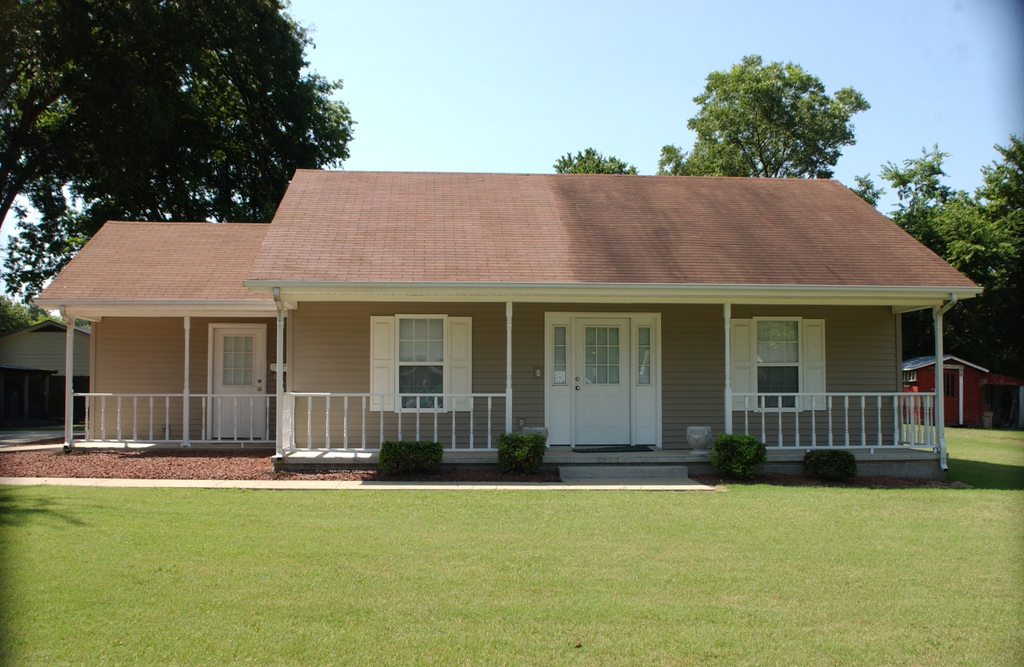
(243,465)
(197,464)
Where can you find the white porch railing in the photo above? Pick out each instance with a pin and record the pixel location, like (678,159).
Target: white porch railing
(353,422)
(889,419)
(160,417)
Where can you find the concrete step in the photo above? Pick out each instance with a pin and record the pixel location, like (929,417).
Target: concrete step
(580,472)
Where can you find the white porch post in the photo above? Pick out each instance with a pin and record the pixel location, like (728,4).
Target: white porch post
(279,376)
(727,314)
(185,440)
(940,408)
(69,379)
(508,367)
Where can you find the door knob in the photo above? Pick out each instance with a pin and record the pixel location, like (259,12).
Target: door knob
(577,387)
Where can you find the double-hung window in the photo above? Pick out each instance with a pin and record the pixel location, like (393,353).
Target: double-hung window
(421,362)
(778,363)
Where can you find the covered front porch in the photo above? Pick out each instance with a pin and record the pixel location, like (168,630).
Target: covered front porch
(513,348)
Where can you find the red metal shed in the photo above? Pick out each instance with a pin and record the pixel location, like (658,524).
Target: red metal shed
(973,395)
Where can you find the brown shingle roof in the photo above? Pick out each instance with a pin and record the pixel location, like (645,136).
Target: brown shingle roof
(563,228)
(154,261)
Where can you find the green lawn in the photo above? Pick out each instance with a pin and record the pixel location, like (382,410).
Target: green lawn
(754,575)
(986,459)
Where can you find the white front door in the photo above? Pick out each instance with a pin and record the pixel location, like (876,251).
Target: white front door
(601,373)
(238,378)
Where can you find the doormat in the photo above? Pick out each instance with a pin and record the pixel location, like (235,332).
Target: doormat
(612,449)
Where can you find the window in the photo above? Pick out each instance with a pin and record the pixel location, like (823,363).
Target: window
(773,356)
(778,361)
(643,355)
(601,349)
(909,377)
(421,362)
(949,384)
(237,361)
(558,350)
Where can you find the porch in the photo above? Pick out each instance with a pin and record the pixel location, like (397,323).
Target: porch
(889,433)
(672,366)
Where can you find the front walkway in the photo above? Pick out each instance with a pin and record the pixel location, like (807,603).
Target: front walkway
(311,485)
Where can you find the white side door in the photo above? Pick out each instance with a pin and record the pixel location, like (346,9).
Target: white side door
(238,379)
(601,381)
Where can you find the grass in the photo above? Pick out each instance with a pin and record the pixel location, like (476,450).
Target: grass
(755,575)
(986,459)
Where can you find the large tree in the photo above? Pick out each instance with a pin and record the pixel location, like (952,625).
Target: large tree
(180,110)
(592,162)
(15,316)
(771,120)
(981,236)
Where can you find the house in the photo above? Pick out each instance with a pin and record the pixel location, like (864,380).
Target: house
(607,310)
(32,387)
(972,395)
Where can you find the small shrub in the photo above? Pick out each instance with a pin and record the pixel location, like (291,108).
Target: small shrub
(521,453)
(737,456)
(409,456)
(833,465)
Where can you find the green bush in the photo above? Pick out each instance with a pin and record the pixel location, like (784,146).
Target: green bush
(409,456)
(736,456)
(833,465)
(521,453)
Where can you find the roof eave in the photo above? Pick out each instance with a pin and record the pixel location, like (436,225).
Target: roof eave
(898,297)
(97,309)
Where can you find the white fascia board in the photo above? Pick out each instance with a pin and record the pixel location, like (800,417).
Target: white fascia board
(96,310)
(896,297)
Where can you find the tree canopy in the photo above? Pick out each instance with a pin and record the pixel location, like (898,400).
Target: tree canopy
(771,120)
(592,162)
(981,235)
(15,316)
(152,111)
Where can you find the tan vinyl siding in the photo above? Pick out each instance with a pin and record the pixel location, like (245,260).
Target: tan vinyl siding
(45,349)
(146,356)
(693,370)
(332,342)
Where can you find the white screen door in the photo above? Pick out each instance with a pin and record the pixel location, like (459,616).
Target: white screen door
(239,401)
(601,381)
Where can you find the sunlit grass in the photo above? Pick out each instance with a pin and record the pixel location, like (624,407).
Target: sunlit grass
(753,575)
(986,458)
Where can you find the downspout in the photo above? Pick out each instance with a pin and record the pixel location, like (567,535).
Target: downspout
(279,375)
(940,400)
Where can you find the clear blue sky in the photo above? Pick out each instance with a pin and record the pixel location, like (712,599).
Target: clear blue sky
(510,87)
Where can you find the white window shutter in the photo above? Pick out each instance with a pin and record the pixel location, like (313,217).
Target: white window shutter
(382,362)
(460,361)
(812,354)
(742,350)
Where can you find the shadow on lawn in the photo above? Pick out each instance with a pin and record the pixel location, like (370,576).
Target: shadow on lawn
(982,475)
(15,511)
